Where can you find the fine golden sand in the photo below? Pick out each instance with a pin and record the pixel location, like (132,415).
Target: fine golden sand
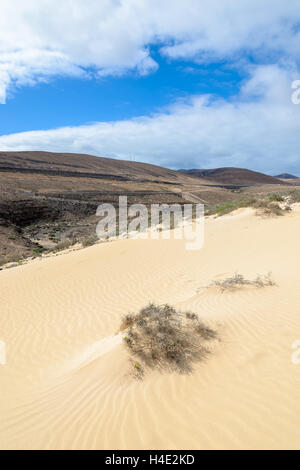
(67,382)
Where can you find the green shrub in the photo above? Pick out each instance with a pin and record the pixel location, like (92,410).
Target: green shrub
(38,251)
(276,198)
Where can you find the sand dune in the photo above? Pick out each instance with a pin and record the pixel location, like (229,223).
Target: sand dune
(67,382)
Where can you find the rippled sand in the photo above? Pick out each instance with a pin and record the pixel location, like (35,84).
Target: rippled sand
(67,384)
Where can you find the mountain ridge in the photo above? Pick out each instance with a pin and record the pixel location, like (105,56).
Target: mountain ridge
(233,175)
(287,176)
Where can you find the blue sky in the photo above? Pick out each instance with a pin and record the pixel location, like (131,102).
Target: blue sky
(72,102)
(181,84)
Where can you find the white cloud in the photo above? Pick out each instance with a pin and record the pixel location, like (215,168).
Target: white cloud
(260,133)
(40,39)
(258,128)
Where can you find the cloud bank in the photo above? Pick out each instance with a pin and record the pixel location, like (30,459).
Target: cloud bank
(258,129)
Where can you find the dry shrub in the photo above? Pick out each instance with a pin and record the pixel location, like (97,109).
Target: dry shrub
(238,280)
(159,337)
(268,208)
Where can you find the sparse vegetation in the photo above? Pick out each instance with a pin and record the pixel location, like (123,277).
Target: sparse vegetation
(64,245)
(276,198)
(160,337)
(89,241)
(238,281)
(38,251)
(49,210)
(268,208)
(294,196)
(265,206)
(231,206)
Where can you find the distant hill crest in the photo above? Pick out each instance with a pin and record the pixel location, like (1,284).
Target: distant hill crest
(286,176)
(232,175)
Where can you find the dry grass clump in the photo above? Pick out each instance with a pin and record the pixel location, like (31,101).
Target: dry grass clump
(160,337)
(268,208)
(238,281)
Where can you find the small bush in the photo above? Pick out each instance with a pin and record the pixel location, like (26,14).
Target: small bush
(276,198)
(64,245)
(159,337)
(268,208)
(89,241)
(38,251)
(238,280)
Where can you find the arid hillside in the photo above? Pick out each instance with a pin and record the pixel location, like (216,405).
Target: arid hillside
(48,201)
(235,176)
(85,166)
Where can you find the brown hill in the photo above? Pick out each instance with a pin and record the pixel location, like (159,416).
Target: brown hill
(86,166)
(48,200)
(286,176)
(233,176)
